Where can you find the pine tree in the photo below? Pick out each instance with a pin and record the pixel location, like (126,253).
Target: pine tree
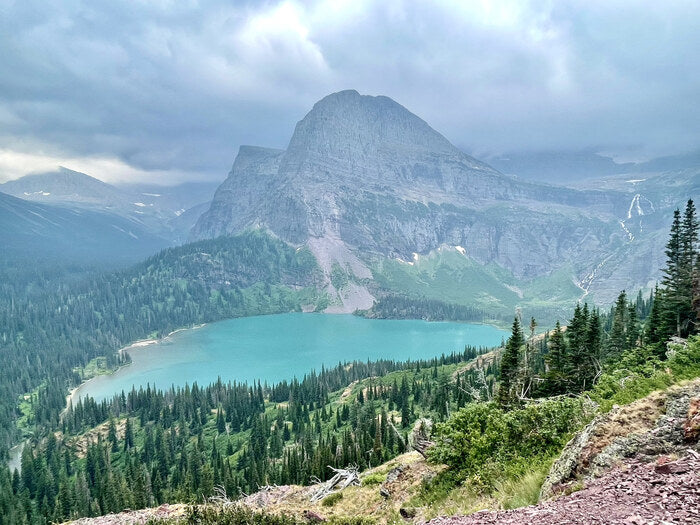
(509,364)
(617,342)
(128,435)
(632,329)
(576,336)
(112,434)
(556,360)
(592,366)
(672,280)
(653,330)
(696,295)
(220,422)
(688,266)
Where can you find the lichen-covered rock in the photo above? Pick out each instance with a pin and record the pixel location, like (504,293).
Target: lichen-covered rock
(651,427)
(564,469)
(691,429)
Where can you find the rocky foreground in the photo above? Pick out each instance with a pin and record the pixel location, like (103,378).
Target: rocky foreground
(637,493)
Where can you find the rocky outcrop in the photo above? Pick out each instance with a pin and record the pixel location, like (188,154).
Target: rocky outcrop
(660,424)
(365,173)
(636,493)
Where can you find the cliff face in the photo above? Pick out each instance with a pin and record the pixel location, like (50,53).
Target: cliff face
(363,177)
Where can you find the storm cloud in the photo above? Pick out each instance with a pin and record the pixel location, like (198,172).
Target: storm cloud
(168,90)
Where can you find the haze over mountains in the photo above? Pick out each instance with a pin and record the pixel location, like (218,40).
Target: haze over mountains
(373,190)
(387,205)
(568,167)
(75,217)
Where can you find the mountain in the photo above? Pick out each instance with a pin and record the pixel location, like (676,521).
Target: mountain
(373,190)
(66,186)
(178,198)
(569,168)
(48,234)
(156,208)
(558,167)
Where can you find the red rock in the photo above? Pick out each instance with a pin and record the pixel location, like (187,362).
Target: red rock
(691,429)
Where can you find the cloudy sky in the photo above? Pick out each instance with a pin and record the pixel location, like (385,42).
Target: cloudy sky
(166,91)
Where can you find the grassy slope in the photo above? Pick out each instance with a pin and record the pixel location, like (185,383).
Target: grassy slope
(447,275)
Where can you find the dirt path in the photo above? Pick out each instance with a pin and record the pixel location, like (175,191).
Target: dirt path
(661,493)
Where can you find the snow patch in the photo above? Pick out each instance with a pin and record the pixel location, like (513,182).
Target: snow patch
(415,256)
(152,194)
(179,212)
(635,181)
(517,291)
(461,250)
(140,204)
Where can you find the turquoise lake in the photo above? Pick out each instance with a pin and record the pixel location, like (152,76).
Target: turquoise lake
(276,347)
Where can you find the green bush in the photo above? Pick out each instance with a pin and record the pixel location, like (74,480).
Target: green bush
(332,499)
(373,479)
(484,442)
(640,372)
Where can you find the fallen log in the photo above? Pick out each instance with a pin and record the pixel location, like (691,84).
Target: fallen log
(342,479)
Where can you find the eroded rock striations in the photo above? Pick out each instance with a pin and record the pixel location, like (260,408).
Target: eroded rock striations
(363,177)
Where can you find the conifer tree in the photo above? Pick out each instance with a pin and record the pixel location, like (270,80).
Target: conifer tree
(654,335)
(617,342)
(688,268)
(592,366)
(509,364)
(696,295)
(672,280)
(556,360)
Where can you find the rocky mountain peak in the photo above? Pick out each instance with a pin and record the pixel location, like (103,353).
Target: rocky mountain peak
(343,124)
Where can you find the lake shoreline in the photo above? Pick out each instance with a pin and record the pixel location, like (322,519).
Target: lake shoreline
(74,393)
(146,362)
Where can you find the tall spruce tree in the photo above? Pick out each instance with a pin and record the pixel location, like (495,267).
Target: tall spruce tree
(576,337)
(672,281)
(617,342)
(654,335)
(510,363)
(592,365)
(688,267)
(556,377)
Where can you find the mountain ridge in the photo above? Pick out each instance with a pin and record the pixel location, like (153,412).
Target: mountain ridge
(363,179)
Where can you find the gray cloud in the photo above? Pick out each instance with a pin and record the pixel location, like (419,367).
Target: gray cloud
(176,86)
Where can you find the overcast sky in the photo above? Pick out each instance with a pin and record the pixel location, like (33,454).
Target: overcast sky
(167,90)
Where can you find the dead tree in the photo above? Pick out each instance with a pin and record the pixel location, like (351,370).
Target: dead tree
(342,479)
(419,437)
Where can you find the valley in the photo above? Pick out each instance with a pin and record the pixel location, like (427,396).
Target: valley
(350,295)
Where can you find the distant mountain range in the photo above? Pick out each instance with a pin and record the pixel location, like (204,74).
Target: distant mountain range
(387,205)
(563,168)
(72,216)
(42,235)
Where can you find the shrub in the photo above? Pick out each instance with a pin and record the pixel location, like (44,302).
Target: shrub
(332,499)
(640,372)
(373,479)
(484,442)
